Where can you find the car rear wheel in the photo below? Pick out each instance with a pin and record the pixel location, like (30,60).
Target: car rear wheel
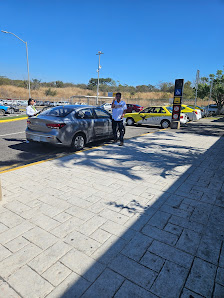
(78,142)
(165,123)
(130,121)
(2,112)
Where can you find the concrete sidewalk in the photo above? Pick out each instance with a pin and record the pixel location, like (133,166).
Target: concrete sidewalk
(143,220)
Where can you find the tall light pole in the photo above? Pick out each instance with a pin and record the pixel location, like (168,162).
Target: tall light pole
(197,81)
(210,93)
(26,57)
(98,82)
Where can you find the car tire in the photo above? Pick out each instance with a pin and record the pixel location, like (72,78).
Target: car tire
(78,142)
(165,123)
(130,121)
(2,112)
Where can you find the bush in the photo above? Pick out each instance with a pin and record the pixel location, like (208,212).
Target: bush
(50,92)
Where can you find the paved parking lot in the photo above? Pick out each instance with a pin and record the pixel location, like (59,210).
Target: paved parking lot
(143,220)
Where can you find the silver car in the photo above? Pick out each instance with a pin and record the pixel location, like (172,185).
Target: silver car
(70,125)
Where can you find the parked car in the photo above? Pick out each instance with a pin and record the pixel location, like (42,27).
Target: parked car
(198,108)
(39,103)
(3,110)
(183,117)
(107,107)
(12,109)
(131,108)
(70,125)
(159,115)
(47,103)
(8,110)
(212,109)
(192,114)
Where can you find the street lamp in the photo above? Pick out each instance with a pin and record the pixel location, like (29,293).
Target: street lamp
(196,85)
(98,70)
(26,57)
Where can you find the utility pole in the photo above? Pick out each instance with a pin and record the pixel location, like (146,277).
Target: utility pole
(26,58)
(196,87)
(210,94)
(98,82)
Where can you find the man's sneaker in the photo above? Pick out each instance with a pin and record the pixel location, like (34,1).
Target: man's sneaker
(121,144)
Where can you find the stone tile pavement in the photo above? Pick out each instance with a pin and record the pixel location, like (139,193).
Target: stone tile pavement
(144,220)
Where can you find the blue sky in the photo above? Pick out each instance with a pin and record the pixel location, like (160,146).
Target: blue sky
(144,41)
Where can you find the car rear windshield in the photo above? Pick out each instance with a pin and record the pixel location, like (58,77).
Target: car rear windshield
(57,111)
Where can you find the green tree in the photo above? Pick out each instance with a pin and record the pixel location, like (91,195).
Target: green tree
(166,87)
(35,84)
(188,90)
(59,84)
(217,92)
(142,88)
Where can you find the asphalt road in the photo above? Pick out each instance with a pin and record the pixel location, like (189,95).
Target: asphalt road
(16,152)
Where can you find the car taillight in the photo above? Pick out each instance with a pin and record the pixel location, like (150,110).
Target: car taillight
(55,125)
(196,112)
(28,122)
(181,117)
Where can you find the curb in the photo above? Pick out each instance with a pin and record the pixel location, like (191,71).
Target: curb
(11,120)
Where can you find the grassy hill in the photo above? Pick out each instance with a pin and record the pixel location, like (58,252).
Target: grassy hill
(7,91)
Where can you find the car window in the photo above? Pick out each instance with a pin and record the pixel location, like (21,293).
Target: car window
(102,114)
(57,111)
(162,110)
(147,110)
(85,114)
(156,110)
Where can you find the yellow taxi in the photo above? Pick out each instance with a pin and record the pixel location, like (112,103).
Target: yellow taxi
(192,114)
(158,115)
(198,108)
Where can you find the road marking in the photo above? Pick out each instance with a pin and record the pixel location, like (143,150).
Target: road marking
(10,120)
(59,155)
(13,133)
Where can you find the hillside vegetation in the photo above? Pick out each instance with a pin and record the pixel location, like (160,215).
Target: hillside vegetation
(144,95)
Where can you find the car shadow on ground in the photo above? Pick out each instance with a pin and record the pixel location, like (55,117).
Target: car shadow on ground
(34,152)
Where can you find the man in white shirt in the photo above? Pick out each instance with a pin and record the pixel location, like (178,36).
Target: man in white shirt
(118,110)
(30,109)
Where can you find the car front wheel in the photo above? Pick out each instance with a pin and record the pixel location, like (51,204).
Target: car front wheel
(165,123)
(78,142)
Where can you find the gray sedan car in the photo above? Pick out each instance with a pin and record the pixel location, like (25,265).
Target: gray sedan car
(70,125)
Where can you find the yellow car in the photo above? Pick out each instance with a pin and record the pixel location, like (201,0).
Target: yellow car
(192,114)
(159,115)
(198,108)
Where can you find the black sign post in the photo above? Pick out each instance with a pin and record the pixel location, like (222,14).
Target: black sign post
(178,93)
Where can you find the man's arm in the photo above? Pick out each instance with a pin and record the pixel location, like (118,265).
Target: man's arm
(113,104)
(124,111)
(123,114)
